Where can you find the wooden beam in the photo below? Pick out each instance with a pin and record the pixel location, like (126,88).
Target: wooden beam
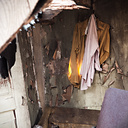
(74,116)
(39,68)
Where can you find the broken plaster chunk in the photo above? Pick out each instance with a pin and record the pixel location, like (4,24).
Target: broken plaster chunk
(50,65)
(67,95)
(112,69)
(57,53)
(47,49)
(106,77)
(52,81)
(63,98)
(105,67)
(110,83)
(118,69)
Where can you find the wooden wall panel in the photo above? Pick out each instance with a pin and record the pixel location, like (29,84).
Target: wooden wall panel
(13,13)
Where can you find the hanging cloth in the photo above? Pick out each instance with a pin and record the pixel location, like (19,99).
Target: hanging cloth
(91,56)
(78,46)
(77,53)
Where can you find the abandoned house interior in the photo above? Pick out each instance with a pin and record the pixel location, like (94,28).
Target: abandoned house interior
(64,64)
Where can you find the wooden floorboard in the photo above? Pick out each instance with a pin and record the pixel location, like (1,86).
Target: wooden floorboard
(74,116)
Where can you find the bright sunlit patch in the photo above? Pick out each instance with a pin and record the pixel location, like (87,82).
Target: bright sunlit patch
(69,70)
(79,69)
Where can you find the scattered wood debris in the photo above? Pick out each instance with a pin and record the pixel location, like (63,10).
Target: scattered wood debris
(47,49)
(57,53)
(111,82)
(50,65)
(105,68)
(106,77)
(118,69)
(67,93)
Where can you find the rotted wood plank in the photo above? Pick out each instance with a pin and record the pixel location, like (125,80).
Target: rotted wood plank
(74,116)
(37,50)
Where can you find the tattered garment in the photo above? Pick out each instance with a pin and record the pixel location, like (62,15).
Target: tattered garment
(91,56)
(78,46)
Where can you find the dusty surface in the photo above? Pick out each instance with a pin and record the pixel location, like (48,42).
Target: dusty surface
(55,70)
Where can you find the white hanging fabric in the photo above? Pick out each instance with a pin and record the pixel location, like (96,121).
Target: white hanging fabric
(91,55)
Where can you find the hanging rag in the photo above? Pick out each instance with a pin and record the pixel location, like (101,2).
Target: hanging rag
(78,46)
(91,56)
(7,59)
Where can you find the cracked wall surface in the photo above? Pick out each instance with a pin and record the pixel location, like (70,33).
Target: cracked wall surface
(60,30)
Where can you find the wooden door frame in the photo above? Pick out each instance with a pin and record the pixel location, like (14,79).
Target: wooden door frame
(22,112)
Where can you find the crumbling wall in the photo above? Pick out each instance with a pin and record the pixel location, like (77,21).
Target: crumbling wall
(58,91)
(56,42)
(58,37)
(115,14)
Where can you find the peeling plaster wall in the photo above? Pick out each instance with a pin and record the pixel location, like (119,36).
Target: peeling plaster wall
(115,13)
(61,30)
(56,70)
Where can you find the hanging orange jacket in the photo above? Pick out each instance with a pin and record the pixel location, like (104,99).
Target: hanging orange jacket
(78,46)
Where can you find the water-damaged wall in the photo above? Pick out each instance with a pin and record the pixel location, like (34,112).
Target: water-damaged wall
(56,43)
(115,13)
(60,34)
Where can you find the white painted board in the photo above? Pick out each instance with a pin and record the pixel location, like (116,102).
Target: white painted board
(13,14)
